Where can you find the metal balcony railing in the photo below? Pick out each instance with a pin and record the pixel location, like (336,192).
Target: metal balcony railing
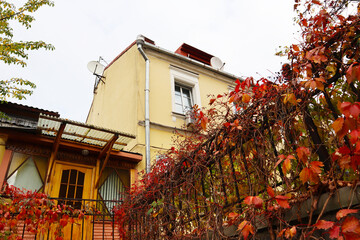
(98,225)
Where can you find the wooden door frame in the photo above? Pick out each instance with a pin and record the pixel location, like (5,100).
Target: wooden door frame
(92,168)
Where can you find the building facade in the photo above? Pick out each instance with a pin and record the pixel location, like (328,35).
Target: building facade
(147,90)
(76,164)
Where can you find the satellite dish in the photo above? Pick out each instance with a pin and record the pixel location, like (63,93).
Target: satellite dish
(216,63)
(96,68)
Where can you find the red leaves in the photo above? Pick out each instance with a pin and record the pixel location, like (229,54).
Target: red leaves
(334,232)
(282,201)
(353,73)
(344,212)
(350,109)
(354,136)
(37,211)
(255,201)
(347,158)
(270,191)
(350,228)
(322,224)
(245,229)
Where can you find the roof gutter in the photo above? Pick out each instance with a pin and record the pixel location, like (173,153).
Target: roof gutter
(140,41)
(200,64)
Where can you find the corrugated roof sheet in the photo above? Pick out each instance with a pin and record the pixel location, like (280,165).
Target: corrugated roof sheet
(82,133)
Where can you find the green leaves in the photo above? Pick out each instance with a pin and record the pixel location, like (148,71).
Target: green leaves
(15,52)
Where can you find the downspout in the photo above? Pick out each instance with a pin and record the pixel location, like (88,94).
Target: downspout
(140,42)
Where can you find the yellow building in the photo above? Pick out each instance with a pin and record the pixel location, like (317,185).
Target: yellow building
(147,90)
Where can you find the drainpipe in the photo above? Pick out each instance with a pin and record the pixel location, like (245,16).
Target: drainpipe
(140,42)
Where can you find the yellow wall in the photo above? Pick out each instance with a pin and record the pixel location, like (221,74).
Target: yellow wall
(115,99)
(119,103)
(3,139)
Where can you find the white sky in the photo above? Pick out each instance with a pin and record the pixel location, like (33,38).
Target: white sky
(243,34)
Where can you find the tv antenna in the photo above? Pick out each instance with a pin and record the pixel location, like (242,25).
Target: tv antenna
(97,69)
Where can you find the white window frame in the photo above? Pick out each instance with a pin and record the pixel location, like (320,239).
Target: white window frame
(188,80)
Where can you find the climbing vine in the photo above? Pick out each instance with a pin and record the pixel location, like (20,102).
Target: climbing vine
(270,156)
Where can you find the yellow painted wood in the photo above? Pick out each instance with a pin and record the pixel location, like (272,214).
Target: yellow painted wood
(87,190)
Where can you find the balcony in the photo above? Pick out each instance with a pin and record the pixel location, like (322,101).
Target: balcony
(98,223)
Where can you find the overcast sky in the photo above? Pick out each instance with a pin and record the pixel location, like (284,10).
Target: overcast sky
(243,34)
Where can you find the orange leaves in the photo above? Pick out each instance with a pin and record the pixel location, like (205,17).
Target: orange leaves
(288,232)
(291,232)
(204,120)
(344,212)
(322,224)
(295,47)
(290,98)
(316,83)
(255,201)
(311,173)
(303,154)
(338,126)
(246,228)
(282,201)
(350,228)
(233,215)
(246,98)
(317,55)
(353,73)
(286,164)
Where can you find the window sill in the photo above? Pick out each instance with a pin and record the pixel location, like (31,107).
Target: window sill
(178,115)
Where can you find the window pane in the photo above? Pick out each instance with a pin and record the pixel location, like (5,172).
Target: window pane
(111,190)
(178,99)
(62,191)
(79,192)
(177,89)
(187,103)
(179,108)
(186,92)
(81,177)
(27,176)
(65,176)
(71,191)
(73,174)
